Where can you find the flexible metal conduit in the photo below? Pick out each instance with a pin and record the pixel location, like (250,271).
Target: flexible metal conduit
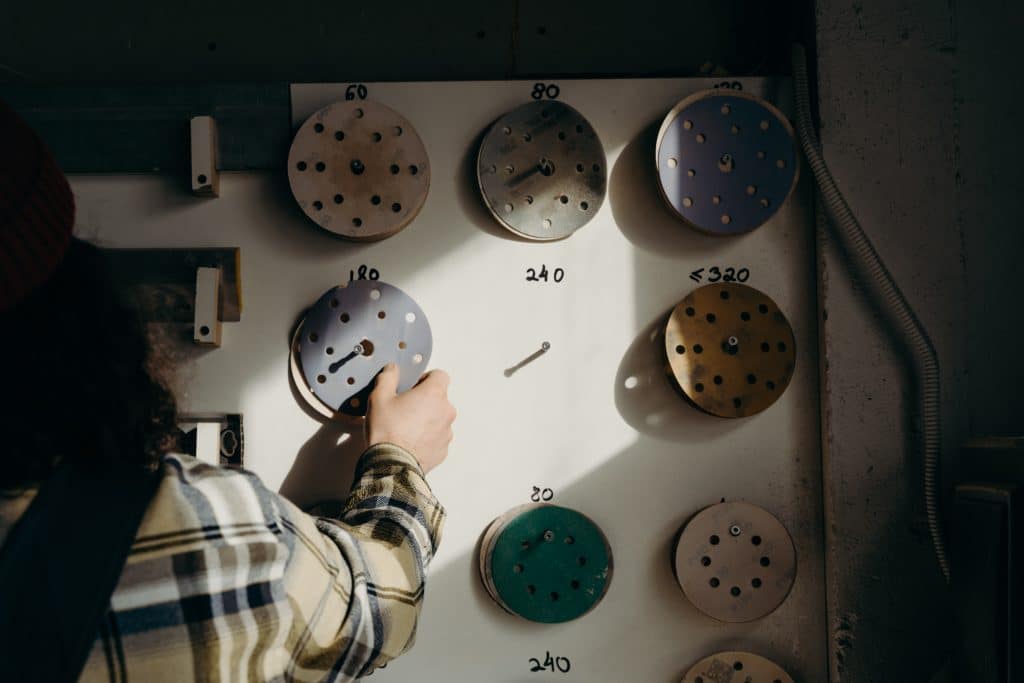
(917,338)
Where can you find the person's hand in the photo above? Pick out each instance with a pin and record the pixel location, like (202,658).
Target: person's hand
(420,420)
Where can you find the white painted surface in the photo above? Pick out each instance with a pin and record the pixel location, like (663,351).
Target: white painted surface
(638,461)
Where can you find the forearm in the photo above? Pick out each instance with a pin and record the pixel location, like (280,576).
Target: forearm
(388,532)
(391,500)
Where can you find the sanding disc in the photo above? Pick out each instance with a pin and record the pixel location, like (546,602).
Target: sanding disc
(541,170)
(359,170)
(545,563)
(736,667)
(735,562)
(727,161)
(730,349)
(351,333)
(299,379)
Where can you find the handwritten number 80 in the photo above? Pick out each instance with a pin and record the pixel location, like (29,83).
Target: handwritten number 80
(542,90)
(540,494)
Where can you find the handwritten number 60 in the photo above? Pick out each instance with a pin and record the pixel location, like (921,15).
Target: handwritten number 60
(356,90)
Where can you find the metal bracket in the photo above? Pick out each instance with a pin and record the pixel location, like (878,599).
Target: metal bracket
(217,439)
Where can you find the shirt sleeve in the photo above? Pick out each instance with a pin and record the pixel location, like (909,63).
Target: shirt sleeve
(356,580)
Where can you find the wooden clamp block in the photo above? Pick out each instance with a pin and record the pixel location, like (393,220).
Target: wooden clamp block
(207,319)
(160,284)
(205,177)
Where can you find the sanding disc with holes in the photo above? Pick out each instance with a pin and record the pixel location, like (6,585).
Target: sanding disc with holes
(541,170)
(545,563)
(735,562)
(736,667)
(359,170)
(727,161)
(351,333)
(730,349)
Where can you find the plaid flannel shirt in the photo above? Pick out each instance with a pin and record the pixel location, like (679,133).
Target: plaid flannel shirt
(228,581)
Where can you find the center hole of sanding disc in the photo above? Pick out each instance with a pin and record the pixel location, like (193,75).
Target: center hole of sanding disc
(367,347)
(546,167)
(357,166)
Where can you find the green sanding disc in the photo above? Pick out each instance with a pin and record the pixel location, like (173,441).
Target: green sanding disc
(546,563)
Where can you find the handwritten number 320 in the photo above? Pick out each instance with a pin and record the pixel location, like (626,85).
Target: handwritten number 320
(730,275)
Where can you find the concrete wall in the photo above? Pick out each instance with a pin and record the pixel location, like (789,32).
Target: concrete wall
(916,117)
(339,41)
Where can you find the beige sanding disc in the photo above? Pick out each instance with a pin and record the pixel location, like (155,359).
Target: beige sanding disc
(736,667)
(359,169)
(730,349)
(735,562)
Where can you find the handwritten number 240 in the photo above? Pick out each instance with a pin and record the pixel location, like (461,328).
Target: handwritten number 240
(534,275)
(550,664)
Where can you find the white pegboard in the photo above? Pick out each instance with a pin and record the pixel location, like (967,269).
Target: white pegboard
(638,461)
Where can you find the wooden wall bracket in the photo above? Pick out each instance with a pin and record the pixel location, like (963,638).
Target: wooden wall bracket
(200,287)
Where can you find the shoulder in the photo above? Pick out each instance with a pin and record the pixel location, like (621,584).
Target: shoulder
(198,503)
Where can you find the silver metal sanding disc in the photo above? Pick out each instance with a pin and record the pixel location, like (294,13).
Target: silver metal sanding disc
(727,161)
(541,169)
(351,333)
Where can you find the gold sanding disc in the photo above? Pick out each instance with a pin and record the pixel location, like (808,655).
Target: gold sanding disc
(735,562)
(736,667)
(730,349)
(359,169)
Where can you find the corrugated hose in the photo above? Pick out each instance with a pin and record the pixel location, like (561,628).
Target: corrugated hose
(925,358)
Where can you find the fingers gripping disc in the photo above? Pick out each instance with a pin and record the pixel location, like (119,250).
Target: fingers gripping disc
(730,349)
(541,170)
(735,562)
(351,333)
(359,170)
(545,563)
(736,667)
(727,161)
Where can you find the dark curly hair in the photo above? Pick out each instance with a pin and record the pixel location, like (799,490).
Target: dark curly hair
(79,378)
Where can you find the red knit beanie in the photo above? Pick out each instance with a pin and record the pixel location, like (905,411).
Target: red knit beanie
(37,210)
